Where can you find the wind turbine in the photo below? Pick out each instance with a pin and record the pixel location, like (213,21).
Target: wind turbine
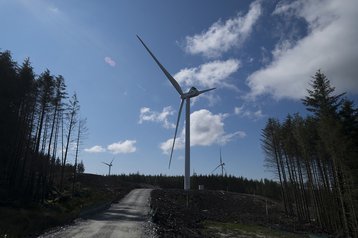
(109,166)
(193,92)
(220,165)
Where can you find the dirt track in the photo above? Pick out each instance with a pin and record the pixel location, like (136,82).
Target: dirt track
(128,218)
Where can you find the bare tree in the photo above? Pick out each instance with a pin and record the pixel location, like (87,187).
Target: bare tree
(81,134)
(72,113)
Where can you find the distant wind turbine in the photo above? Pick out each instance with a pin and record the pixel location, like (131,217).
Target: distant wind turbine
(109,166)
(220,165)
(193,92)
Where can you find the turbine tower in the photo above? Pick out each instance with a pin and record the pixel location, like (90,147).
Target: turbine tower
(109,166)
(193,92)
(220,165)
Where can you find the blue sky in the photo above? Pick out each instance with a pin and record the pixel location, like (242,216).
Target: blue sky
(260,55)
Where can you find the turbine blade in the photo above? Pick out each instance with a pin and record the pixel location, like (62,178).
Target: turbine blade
(171,79)
(112,160)
(105,163)
(206,90)
(221,161)
(215,169)
(176,130)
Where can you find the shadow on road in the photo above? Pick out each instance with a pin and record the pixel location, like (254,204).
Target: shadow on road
(123,214)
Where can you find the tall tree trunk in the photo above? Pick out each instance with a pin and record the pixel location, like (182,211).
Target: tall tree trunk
(73,110)
(76,156)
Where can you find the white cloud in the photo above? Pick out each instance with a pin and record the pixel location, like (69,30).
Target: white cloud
(213,99)
(331,45)
(110,61)
(167,145)
(265,58)
(206,129)
(288,9)
(229,137)
(95,149)
(239,110)
(243,112)
(122,147)
(212,74)
(258,114)
(222,36)
(146,114)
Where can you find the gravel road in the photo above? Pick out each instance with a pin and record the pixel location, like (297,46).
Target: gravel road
(128,218)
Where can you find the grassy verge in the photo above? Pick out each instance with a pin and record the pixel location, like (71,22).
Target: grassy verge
(219,229)
(93,194)
(32,220)
(21,222)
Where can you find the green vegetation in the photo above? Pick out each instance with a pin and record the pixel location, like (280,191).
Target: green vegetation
(220,229)
(93,193)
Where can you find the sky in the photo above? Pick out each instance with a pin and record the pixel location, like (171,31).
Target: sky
(259,55)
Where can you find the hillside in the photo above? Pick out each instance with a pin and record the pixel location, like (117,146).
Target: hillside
(222,214)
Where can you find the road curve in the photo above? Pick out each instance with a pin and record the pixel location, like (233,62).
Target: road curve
(127,218)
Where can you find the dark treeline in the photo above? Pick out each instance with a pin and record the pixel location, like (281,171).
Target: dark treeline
(315,159)
(230,183)
(38,123)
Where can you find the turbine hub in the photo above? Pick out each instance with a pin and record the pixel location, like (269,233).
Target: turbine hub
(193,92)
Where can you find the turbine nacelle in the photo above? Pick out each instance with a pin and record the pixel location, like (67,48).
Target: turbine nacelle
(193,92)
(109,166)
(221,164)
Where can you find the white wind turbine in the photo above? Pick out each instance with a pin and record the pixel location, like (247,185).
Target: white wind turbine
(220,165)
(193,92)
(109,166)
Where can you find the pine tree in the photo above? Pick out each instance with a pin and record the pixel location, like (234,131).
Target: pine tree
(322,101)
(8,110)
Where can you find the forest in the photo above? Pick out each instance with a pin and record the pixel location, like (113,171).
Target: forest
(315,159)
(263,187)
(39,124)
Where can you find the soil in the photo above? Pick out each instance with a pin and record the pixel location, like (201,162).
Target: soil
(178,213)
